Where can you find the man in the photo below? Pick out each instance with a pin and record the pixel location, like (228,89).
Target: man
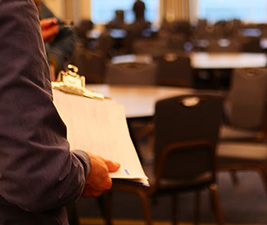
(139,10)
(39,176)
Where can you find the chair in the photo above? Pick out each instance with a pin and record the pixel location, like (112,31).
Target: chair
(245,106)
(178,42)
(243,146)
(222,29)
(91,64)
(131,73)
(138,71)
(243,156)
(174,70)
(251,44)
(151,46)
(224,45)
(105,44)
(186,132)
(82,29)
(134,73)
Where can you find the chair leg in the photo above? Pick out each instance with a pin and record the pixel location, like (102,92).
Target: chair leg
(263,175)
(216,203)
(141,192)
(104,202)
(174,209)
(73,216)
(234,177)
(196,209)
(146,207)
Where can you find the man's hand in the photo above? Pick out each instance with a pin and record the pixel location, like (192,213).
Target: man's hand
(49,28)
(98,179)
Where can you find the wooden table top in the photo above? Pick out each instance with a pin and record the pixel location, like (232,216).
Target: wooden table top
(139,101)
(204,60)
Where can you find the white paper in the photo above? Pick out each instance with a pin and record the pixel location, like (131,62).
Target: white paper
(100,127)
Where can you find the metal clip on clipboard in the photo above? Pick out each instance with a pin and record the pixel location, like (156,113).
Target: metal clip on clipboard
(73,83)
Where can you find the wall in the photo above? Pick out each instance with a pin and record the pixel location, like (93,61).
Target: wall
(57,7)
(85,9)
(75,10)
(70,10)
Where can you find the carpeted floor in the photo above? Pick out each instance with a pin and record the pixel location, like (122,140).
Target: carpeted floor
(244,204)
(99,221)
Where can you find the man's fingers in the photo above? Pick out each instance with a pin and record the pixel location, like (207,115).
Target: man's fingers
(48,22)
(90,191)
(112,166)
(98,179)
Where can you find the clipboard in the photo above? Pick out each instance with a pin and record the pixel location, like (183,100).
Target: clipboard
(97,124)
(73,83)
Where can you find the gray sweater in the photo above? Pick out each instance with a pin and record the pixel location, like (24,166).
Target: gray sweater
(39,175)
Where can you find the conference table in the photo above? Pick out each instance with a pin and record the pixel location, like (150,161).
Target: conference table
(205,60)
(139,100)
(210,70)
(214,70)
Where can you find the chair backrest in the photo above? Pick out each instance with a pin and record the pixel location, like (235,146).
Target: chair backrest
(224,45)
(246,103)
(91,64)
(189,126)
(174,70)
(154,47)
(131,73)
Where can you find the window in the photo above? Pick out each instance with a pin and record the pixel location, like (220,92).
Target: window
(103,11)
(245,10)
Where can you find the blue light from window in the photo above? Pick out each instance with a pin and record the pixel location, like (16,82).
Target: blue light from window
(245,10)
(103,11)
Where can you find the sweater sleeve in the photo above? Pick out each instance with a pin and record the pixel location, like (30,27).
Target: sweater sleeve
(38,172)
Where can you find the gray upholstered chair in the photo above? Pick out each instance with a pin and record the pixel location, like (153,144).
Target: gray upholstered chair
(243,144)
(153,47)
(245,106)
(243,156)
(91,63)
(186,133)
(131,73)
(224,45)
(174,70)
